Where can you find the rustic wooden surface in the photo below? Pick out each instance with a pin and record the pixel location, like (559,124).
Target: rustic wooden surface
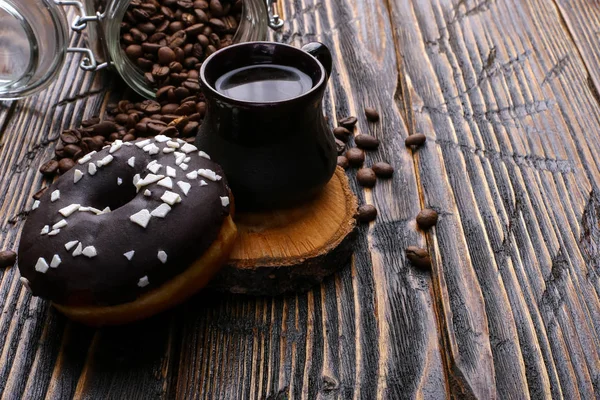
(507,93)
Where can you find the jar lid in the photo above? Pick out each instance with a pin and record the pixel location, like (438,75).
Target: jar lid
(33,36)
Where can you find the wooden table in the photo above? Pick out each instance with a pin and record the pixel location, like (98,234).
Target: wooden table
(507,93)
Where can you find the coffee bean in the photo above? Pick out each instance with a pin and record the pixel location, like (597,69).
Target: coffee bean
(342,133)
(366,142)
(89,122)
(129,138)
(383,169)
(162,92)
(356,157)
(134,51)
(348,122)
(366,177)
(38,195)
(417,139)
(343,162)
(68,138)
(166,55)
(144,63)
(49,168)
(140,15)
(371,114)
(190,129)
(340,146)
(147,27)
(366,213)
(8,258)
(65,164)
(150,106)
(170,131)
(216,8)
(427,218)
(191,85)
(73,151)
(418,257)
(104,128)
(138,35)
(217,24)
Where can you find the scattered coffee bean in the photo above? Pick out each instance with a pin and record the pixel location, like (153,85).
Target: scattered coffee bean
(348,122)
(366,177)
(366,142)
(367,213)
(49,168)
(427,218)
(371,114)
(166,55)
(356,157)
(38,195)
(418,139)
(340,146)
(343,162)
(418,257)
(383,169)
(65,164)
(342,133)
(8,258)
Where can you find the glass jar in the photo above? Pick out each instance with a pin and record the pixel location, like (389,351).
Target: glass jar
(34,38)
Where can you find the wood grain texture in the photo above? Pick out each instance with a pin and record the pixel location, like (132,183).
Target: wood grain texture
(369,331)
(502,93)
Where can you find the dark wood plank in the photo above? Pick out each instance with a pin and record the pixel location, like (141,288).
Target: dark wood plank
(511,164)
(368,331)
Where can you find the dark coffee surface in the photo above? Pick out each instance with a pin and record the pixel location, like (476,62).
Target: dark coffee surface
(264,83)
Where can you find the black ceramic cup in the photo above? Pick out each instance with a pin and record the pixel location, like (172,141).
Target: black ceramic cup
(274,154)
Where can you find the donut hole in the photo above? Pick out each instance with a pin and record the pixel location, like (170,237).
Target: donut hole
(113,196)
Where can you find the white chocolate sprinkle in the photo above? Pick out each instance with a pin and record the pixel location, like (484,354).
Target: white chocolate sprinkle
(225,201)
(149,179)
(162,256)
(35,205)
(55,261)
(181,141)
(166,182)
(60,224)
(105,161)
(119,181)
(55,196)
(41,265)
(173,145)
(77,175)
(203,154)
(92,169)
(192,175)
(172,172)
(143,143)
(136,179)
(208,174)
(147,193)
(161,138)
(183,166)
(203,183)
(105,211)
(131,162)
(188,148)
(142,218)
(179,158)
(68,210)
(161,211)
(184,186)
(54,232)
(86,158)
(117,144)
(187,159)
(168,150)
(128,144)
(45,230)
(154,168)
(78,250)
(71,244)
(151,149)
(25,282)
(90,252)
(95,211)
(84,209)
(129,254)
(143,282)
(170,198)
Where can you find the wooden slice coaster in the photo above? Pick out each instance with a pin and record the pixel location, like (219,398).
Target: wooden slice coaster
(293,249)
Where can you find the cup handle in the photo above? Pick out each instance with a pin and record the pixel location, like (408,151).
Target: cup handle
(320,52)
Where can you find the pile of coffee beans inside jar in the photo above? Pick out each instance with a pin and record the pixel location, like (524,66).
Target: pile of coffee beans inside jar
(168,40)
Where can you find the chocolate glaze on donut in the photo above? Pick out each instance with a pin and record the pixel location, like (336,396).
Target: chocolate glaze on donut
(103,274)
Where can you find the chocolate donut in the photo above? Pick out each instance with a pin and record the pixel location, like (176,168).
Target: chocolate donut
(129,231)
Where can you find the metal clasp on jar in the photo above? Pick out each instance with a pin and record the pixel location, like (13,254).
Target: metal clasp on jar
(275,22)
(89,62)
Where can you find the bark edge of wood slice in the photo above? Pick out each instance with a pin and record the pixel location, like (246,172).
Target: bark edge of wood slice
(292,250)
